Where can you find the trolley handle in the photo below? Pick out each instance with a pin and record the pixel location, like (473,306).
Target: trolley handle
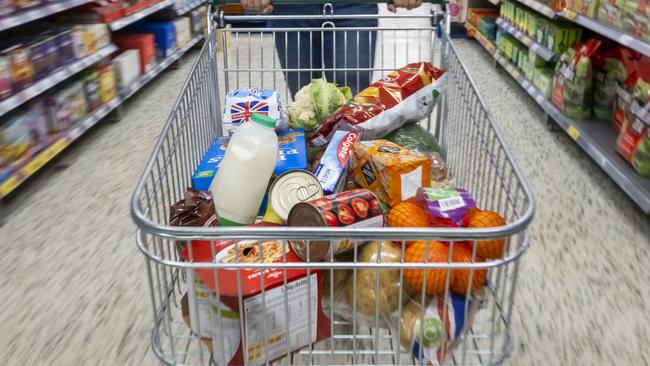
(321,2)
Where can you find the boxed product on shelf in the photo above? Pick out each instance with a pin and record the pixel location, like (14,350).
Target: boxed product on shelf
(543,80)
(540,30)
(84,41)
(474,15)
(66,107)
(90,80)
(164,34)
(22,70)
(203,11)
(95,12)
(144,43)
(535,59)
(488,27)
(195,21)
(43,56)
(26,4)
(22,133)
(5,77)
(101,32)
(183,32)
(611,12)
(107,83)
(636,18)
(6,7)
(127,67)
(62,39)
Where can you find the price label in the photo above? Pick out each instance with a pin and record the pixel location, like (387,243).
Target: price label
(9,185)
(525,40)
(573,132)
(42,158)
(570,14)
(515,73)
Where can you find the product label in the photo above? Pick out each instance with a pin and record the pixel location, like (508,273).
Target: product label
(266,320)
(411,182)
(333,165)
(431,331)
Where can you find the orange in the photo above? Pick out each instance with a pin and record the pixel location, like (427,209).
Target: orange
(488,249)
(408,214)
(438,253)
(460,277)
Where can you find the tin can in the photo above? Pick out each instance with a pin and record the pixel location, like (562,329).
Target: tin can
(355,208)
(290,188)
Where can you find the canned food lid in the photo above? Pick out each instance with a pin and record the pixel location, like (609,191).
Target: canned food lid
(293,187)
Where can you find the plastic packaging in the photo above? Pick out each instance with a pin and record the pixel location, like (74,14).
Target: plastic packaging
(414,137)
(449,203)
(241,181)
(240,104)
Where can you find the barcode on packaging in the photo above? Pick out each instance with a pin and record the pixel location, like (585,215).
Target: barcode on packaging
(451,203)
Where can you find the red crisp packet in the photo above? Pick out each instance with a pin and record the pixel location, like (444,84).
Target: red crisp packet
(405,95)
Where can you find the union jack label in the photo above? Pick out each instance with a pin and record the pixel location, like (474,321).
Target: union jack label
(241,112)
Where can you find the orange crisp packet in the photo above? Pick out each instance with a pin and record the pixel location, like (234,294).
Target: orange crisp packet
(392,172)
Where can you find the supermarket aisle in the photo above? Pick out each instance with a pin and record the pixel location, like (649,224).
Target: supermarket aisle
(74,283)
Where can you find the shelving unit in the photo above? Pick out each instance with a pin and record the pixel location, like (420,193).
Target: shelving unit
(187,7)
(16,19)
(483,40)
(607,31)
(125,21)
(55,78)
(540,8)
(532,45)
(597,138)
(28,168)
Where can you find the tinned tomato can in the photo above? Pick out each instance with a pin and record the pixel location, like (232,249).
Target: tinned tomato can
(355,208)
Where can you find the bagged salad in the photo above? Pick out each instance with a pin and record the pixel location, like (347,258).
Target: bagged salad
(314,102)
(573,78)
(610,67)
(405,95)
(634,139)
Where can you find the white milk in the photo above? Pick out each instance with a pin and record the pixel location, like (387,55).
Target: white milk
(243,176)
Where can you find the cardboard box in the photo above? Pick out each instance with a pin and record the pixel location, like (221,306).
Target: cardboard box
(66,107)
(107,83)
(90,80)
(5,77)
(102,36)
(145,45)
(127,67)
(183,31)
(302,294)
(195,22)
(164,33)
(22,70)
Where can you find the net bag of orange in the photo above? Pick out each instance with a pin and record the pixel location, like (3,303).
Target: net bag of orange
(408,214)
(436,278)
(486,249)
(392,172)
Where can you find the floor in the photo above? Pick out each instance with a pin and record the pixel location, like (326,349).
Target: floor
(75,293)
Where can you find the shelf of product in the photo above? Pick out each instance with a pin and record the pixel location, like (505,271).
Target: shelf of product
(53,79)
(621,37)
(11,20)
(130,19)
(476,34)
(30,167)
(184,7)
(542,51)
(143,79)
(596,137)
(541,8)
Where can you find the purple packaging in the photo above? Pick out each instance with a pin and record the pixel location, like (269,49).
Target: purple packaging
(333,165)
(449,203)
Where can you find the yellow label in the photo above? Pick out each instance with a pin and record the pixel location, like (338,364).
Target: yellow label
(570,14)
(42,158)
(9,185)
(573,132)
(515,73)
(525,41)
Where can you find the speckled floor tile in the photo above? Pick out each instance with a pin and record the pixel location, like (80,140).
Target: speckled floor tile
(74,282)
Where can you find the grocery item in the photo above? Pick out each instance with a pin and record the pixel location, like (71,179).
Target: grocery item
(613,65)
(445,202)
(634,139)
(195,22)
(356,208)
(587,8)
(164,35)
(183,32)
(301,293)
(195,209)
(368,296)
(572,81)
(636,19)
(487,249)
(127,67)
(22,71)
(332,168)
(22,133)
(622,101)
(6,7)
(5,77)
(315,102)
(290,188)
(107,83)
(144,43)
(241,181)
(611,12)
(100,39)
(26,4)
(391,171)
(405,95)
(240,104)
(90,80)
(408,214)
(66,107)
(414,137)
(543,81)
(436,278)
(291,156)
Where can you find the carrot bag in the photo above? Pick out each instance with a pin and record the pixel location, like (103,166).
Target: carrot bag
(405,95)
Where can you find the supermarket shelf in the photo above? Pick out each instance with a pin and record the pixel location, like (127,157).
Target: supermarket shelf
(188,6)
(54,149)
(53,79)
(483,40)
(607,31)
(123,22)
(495,2)
(539,7)
(597,138)
(157,69)
(532,45)
(16,19)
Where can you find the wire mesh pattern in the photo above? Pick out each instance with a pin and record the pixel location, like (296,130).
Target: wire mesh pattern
(478,161)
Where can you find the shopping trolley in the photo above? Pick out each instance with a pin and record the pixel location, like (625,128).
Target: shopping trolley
(478,160)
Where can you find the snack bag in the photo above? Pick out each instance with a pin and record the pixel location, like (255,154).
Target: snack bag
(572,81)
(240,104)
(612,66)
(405,95)
(392,172)
(634,139)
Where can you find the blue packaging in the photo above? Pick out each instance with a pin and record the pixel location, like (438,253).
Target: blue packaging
(164,34)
